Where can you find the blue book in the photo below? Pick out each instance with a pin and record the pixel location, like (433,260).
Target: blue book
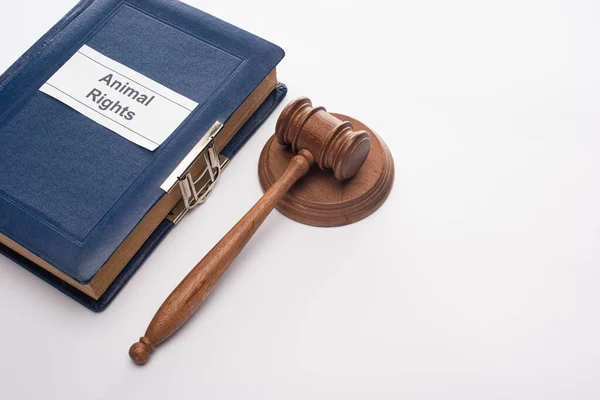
(115,124)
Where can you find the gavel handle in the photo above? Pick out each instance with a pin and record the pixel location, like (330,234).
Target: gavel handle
(197,285)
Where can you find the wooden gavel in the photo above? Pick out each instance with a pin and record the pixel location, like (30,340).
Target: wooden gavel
(315,136)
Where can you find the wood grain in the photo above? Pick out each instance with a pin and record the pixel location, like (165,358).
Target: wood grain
(322,200)
(198,284)
(314,136)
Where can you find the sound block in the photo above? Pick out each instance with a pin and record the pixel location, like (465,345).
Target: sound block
(319,199)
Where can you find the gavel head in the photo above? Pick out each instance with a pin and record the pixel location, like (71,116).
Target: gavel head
(333,143)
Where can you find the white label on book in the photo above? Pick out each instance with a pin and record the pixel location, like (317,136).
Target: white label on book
(119,98)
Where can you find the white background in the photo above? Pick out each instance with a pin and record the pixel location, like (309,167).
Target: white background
(478,279)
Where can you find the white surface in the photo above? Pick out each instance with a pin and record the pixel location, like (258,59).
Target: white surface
(478,279)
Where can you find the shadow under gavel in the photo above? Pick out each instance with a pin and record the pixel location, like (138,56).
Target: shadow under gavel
(315,137)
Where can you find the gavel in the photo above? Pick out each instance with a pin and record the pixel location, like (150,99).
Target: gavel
(315,137)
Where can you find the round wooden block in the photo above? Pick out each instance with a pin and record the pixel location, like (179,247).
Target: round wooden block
(319,199)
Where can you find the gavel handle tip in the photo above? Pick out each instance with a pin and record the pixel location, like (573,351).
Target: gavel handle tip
(141,351)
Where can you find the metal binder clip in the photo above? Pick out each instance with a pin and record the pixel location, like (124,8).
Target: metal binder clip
(195,191)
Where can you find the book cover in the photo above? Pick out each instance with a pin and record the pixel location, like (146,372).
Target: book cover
(73,189)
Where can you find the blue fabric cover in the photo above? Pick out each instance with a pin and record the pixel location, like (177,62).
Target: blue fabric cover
(71,190)
(99,305)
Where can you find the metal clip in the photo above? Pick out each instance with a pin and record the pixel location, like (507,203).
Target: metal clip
(192,196)
(195,191)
